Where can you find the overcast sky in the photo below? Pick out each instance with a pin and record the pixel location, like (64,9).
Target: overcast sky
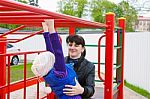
(48,4)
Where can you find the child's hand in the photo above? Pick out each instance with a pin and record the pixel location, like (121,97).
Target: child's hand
(50,25)
(45,27)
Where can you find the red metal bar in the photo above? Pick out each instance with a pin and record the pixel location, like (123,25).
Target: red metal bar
(22,33)
(18,40)
(8,82)
(25,17)
(108,88)
(51,96)
(3,8)
(30,8)
(22,26)
(71,30)
(2,66)
(19,85)
(25,74)
(22,53)
(99,57)
(38,89)
(38,32)
(38,24)
(16,13)
(122,25)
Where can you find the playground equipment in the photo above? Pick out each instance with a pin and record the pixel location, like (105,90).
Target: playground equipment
(12,12)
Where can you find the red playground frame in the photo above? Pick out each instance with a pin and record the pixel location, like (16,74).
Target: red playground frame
(24,15)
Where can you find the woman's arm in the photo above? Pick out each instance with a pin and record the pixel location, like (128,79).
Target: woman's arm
(90,84)
(87,90)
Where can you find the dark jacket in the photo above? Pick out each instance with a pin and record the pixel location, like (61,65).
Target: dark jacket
(85,71)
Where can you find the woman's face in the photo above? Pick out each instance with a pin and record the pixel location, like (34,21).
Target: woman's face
(75,50)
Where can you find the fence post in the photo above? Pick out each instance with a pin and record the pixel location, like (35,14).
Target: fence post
(2,65)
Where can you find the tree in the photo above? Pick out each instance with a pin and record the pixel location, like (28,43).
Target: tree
(100,7)
(72,7)
(130,14)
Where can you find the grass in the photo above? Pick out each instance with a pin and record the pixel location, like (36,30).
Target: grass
(138,90)
(17,72)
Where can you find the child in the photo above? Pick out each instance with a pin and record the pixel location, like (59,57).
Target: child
(55,73)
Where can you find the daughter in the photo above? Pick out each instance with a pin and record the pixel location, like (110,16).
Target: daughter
(52,67)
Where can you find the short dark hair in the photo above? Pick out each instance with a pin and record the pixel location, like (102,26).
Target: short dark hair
(75,38)
(79,40)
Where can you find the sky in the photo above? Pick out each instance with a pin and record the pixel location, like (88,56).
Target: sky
(48,4)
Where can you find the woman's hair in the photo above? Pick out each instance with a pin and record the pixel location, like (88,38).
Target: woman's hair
(79,40)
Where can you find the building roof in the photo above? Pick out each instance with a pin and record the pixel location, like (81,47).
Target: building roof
(143,18)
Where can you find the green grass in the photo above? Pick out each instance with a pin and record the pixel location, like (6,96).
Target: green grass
(138,90)
(17,72)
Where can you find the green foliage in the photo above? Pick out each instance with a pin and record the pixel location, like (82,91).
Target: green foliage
(100,7)
(130,14)
(98,10)
(23,1)
(123,9)
(8,26)
(72,7)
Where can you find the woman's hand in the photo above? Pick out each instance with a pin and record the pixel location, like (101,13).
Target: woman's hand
(73,90)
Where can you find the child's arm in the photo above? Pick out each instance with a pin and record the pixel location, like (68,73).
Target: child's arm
(60,68)
(47,38)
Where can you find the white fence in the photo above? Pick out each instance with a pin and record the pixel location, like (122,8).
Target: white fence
(137,59)
(137,54)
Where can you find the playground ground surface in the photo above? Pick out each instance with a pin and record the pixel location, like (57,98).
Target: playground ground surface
(99,94)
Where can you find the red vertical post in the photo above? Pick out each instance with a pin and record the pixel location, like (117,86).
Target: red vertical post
(108,88)
(2,65)
(71,30)
(122,25)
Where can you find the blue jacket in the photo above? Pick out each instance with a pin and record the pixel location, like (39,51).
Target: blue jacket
(58,84)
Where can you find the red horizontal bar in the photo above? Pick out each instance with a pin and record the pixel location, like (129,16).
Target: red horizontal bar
(21,53)
(12,39)
(16,13)
(32,20)
(21,33)
(38,24)
(11,31)
(19,85)
(5,8)
(26,17)
(30,8)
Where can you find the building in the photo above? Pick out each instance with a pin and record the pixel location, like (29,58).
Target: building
(143,24)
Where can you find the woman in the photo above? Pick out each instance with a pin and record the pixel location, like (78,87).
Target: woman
(84,69)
